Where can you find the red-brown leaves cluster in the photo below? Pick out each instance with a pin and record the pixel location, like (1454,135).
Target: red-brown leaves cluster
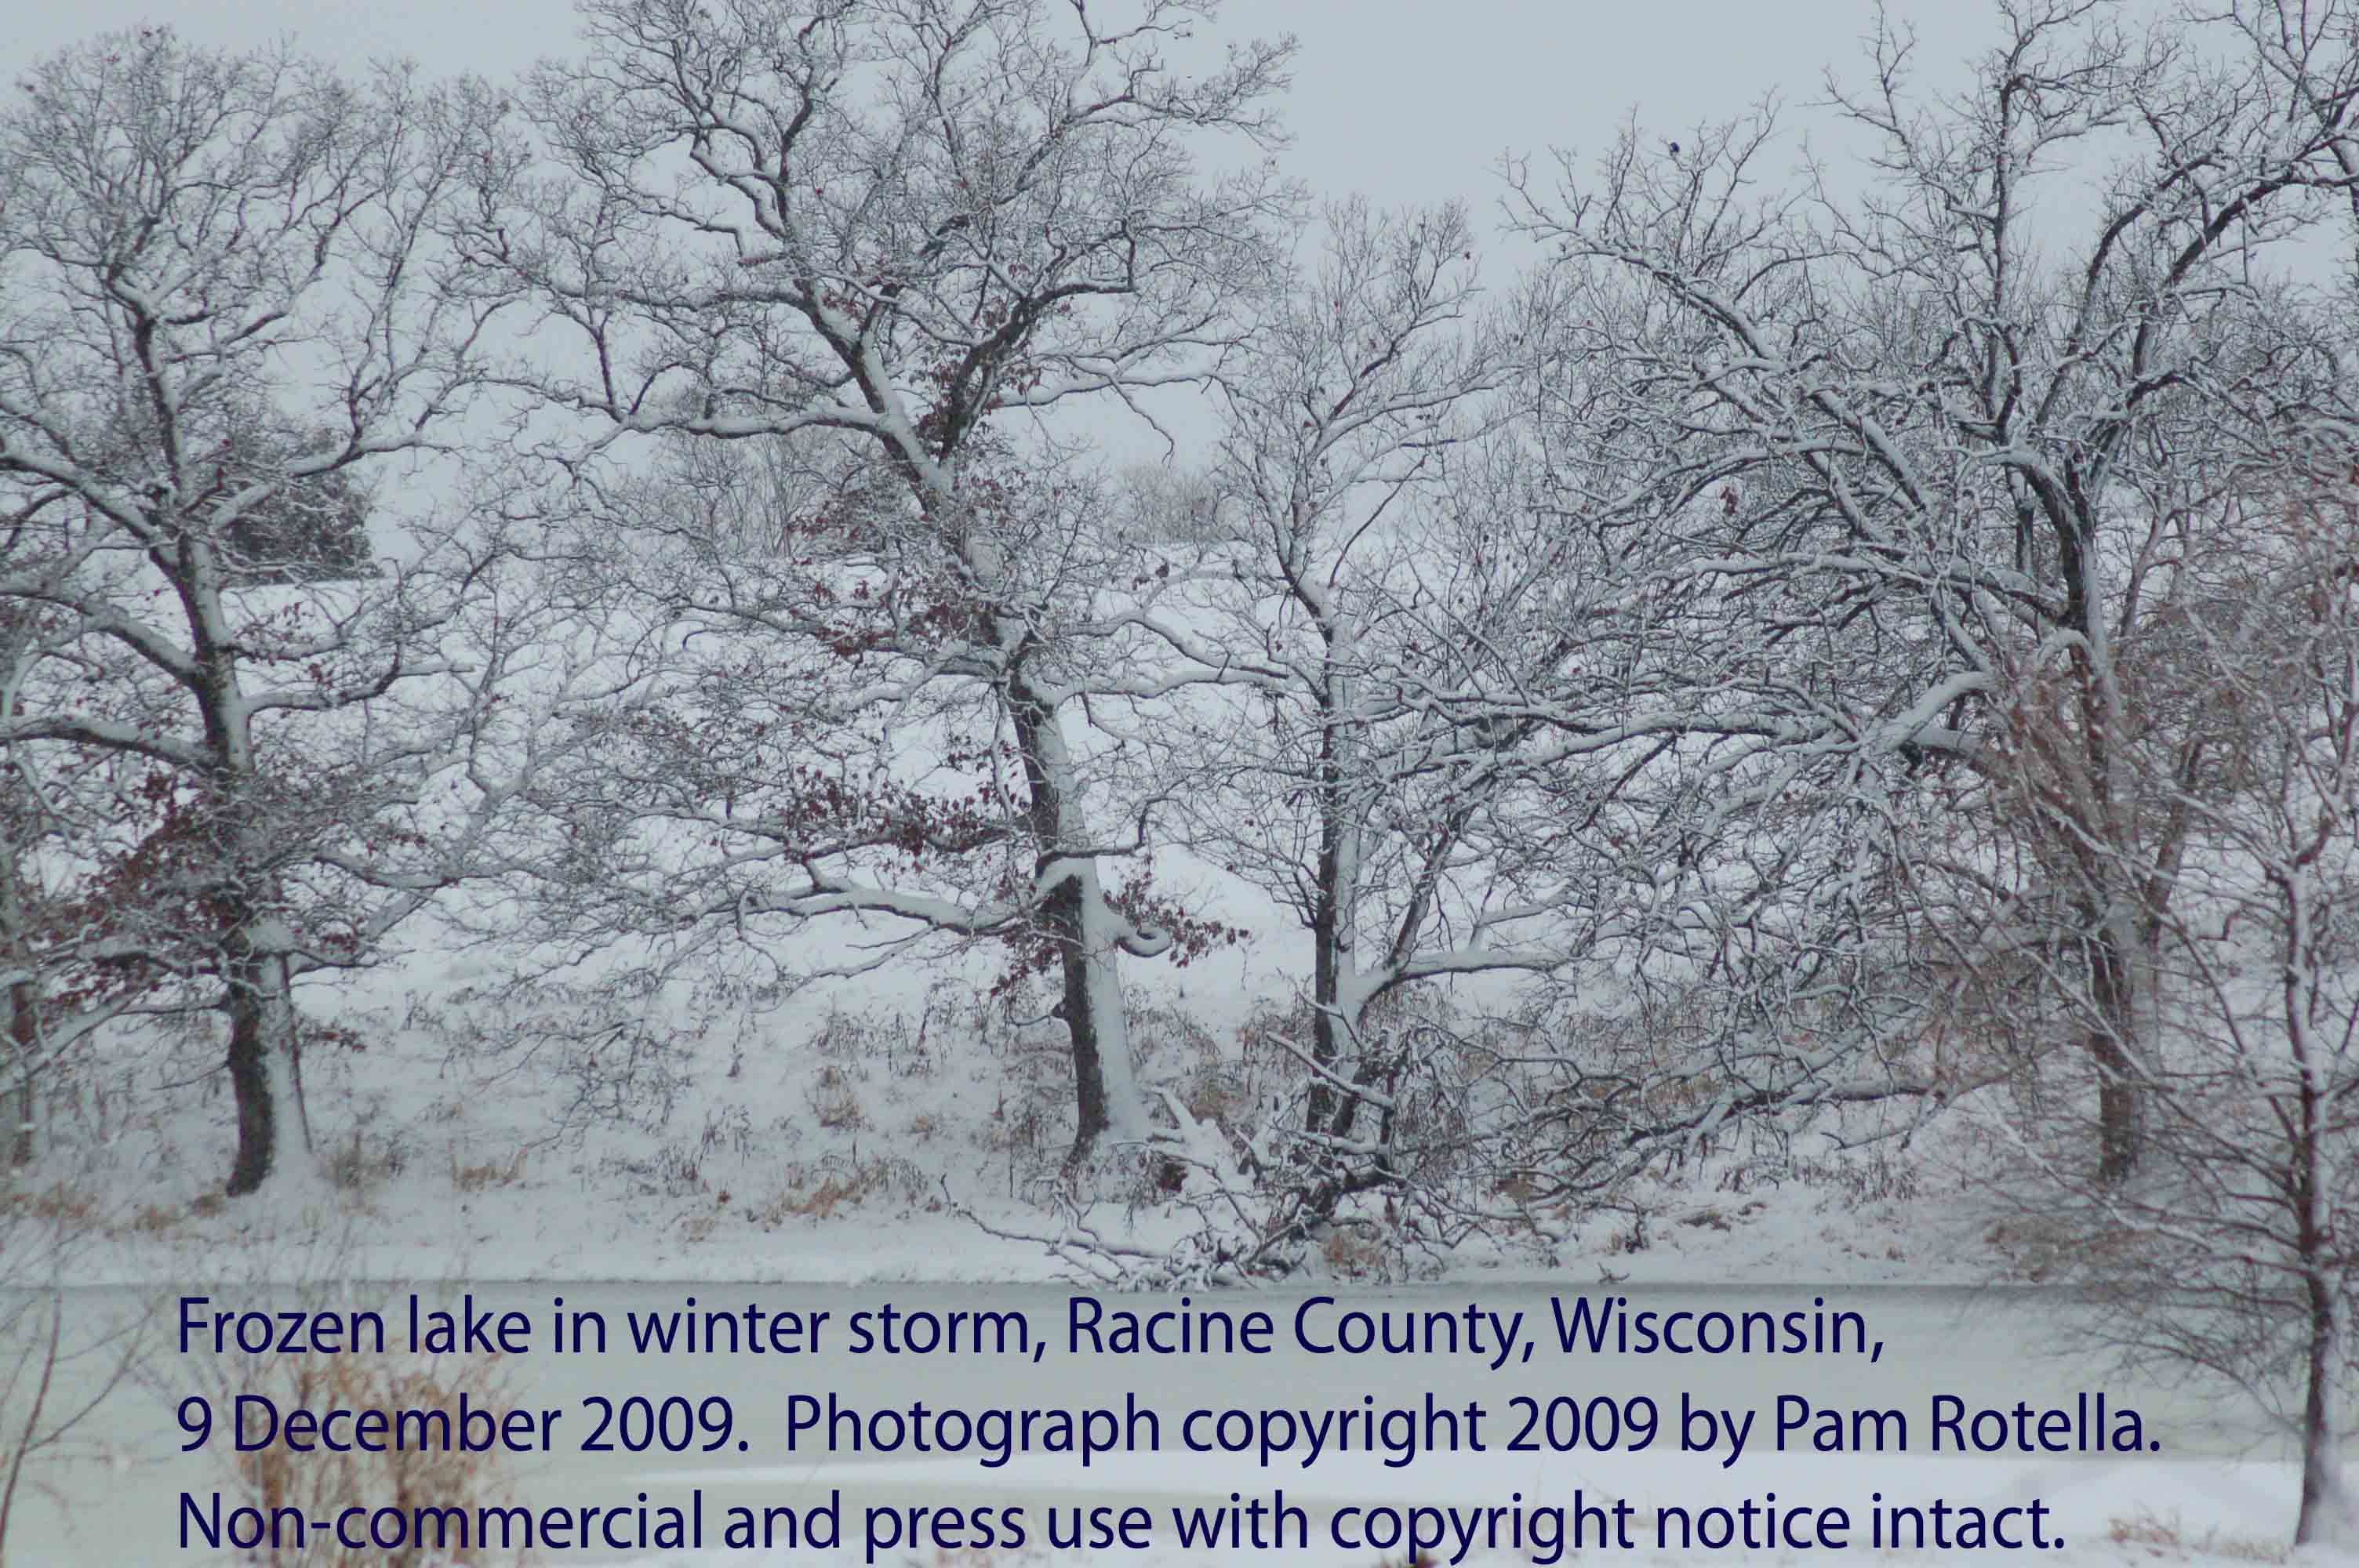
(1192,937)
(145,911)
(1033,948)
(758,773)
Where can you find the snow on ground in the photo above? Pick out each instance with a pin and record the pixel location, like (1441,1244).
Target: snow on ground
(475,1197)
(829,1137)
(834,1137)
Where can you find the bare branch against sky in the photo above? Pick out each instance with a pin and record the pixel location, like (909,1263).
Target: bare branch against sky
(1391,99)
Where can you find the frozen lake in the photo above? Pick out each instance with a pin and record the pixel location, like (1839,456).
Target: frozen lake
(1989,1348)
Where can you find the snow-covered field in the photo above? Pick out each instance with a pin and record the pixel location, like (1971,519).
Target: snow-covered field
(843,1133)
(832,1150)
(851,1143)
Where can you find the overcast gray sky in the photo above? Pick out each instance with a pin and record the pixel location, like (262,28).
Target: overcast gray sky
(1403,100)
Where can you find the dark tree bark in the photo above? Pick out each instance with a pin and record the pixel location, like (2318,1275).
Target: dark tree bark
(24,1033)
(250,1010)
(2119,1129)
(1061,914)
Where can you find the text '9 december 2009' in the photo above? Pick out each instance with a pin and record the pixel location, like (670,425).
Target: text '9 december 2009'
(761,1431)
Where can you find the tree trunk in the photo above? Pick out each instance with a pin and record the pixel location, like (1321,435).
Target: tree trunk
(255,1009)
(24,1036)
(1105,1091)
(16,932)
(2327,1516)
(1062,915)
(2120,1109)
(1336,897)
(1331,962)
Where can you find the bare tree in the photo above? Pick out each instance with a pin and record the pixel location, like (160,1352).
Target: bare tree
(1932,441)
(1343,416)
(222,294)
(918,231)
(2229,1250)
(1409,780)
